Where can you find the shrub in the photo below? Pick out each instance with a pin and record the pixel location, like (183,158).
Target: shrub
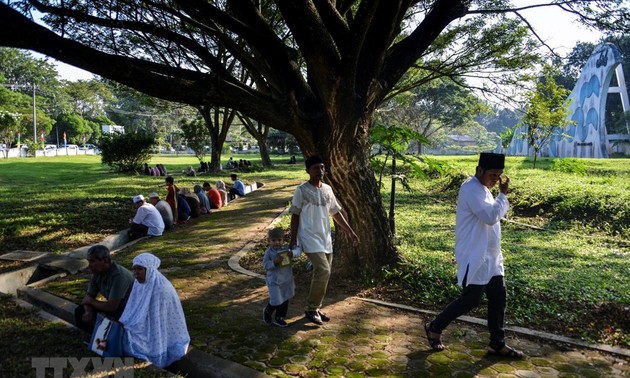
(569,165)
(126,152)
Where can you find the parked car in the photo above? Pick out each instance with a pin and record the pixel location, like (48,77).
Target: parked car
(88,146)
(50,147)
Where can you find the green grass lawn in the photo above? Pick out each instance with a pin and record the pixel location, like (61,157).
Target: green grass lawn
(565,245)
(57,204)
(567,275)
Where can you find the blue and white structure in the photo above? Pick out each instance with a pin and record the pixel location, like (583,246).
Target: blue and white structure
(587,136)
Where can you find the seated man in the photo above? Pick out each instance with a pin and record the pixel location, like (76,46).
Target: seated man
(238,188)
(164,208)
(214,196)
(112,281)
(147,221)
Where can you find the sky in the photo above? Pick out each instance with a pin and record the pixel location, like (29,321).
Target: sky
(556,27)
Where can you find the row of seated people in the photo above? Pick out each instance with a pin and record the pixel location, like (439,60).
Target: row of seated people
(205,167)
(155,216)
(158,170)
(241,163)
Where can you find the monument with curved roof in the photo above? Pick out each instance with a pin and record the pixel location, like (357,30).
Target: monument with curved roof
(587,136)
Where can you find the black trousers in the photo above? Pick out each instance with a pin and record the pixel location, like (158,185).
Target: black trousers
(281,309)
(469,299)
(136,231)
(89,327)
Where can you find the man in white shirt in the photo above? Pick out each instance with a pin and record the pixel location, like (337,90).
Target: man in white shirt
(478,254)
(312,205)
(147,220)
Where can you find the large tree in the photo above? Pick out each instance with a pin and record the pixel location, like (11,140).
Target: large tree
(319,69)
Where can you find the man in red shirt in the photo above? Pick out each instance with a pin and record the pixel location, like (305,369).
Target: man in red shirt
(213,195)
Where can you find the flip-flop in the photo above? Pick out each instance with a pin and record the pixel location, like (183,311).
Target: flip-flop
(509,352)
(436,344)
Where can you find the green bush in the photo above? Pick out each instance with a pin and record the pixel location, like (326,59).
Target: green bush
(126,152)
(569,165)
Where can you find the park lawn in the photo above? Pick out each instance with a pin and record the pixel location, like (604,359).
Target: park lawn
(569,277)
(56,204)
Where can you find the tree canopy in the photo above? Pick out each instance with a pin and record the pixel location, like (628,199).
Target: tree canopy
(315,69)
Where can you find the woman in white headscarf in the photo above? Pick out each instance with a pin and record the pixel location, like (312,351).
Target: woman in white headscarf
(155,326)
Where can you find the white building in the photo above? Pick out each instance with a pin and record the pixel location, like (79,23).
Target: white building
(110,129)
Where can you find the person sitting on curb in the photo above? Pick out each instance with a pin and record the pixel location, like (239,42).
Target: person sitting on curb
(193,202)
(222,188)
(154,321)
(171,197)
(164,209)
(203,199)
(147,220)
(214,196)
(237,189)
(109,279)
(183,209)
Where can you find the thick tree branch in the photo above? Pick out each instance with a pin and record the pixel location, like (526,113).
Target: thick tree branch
(405,53)
(169,83)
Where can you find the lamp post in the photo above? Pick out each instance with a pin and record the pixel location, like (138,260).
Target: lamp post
(34,115)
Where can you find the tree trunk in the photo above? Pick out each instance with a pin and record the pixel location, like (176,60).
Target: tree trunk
(360,198)
(264,155)
(392,199)
(260,132)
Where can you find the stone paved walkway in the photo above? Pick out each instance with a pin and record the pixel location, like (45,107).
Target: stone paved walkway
(224,314)
(366,339)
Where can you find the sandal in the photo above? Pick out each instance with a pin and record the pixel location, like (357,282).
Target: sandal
(435,343)
(505,351)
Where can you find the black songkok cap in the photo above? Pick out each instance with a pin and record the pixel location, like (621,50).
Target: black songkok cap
(488,160)
(313,160)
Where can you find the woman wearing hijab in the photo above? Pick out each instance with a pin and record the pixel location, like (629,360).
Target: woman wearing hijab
(154,322)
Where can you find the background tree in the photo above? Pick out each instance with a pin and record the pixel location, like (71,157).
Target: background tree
(9,128)
(499,119)
(547,110)
(441,104)
(507,136)
(394,141)
(260,132)
(196,135)
(21,72)
(218,122)
(282,142)
(318,69)
(126,152)
(75,127)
